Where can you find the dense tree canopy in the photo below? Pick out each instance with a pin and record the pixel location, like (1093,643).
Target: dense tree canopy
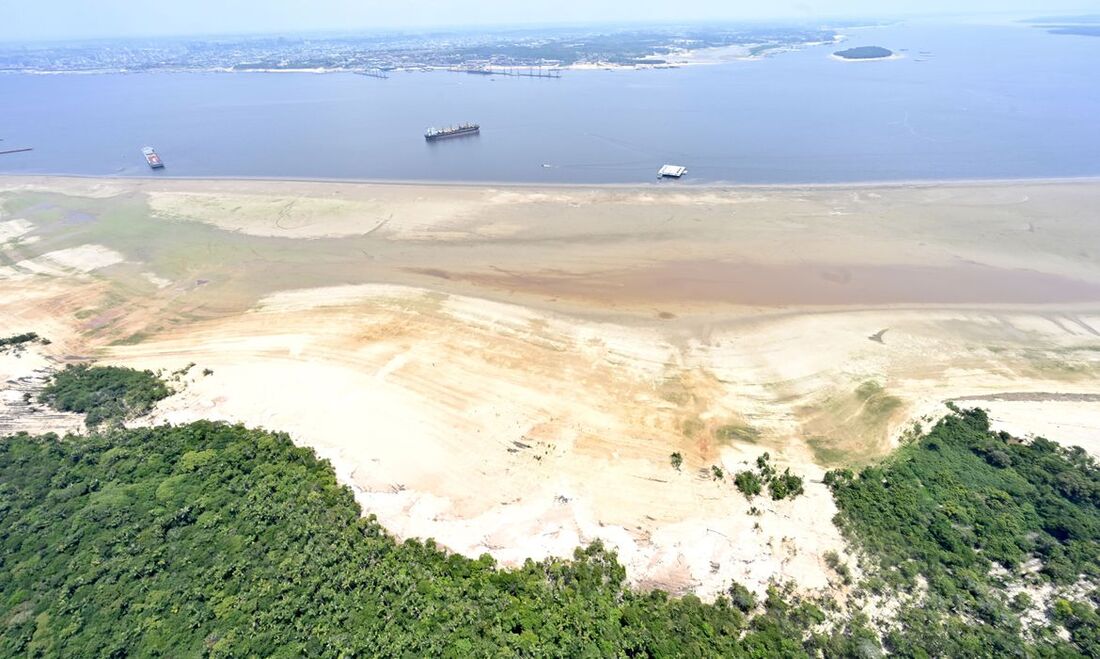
(220,540)
(217,540)
(961,500)
(104,393)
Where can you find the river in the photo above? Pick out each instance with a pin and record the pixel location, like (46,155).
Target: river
(962,102)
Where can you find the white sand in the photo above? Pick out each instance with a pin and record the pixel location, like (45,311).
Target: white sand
(13,229)
(1066,422)
(421,419)
(82,259)
(470,390)
(23,373)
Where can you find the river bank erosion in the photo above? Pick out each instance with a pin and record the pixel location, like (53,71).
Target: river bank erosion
(508,369)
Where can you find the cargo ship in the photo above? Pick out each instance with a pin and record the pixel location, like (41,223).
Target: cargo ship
(152,158)
(453,131)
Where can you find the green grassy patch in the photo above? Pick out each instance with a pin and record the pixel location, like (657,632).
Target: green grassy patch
(826,453)
(691,427)
(851,427)
(1053,364)
(132,339)
(877,404)
(738,432)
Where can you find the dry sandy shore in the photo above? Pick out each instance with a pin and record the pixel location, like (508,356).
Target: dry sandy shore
(508,369)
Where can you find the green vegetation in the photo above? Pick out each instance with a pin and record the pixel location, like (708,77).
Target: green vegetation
(742,598)
(838,429)
(20,340)
(1082,622)
(717,473)
(780,486)
(104,393)
(737,432)
(691,427)
(832,559)
(217,540)
(785,485)
(825,453)
(178,373)
(950,506)
(864,52)
(748,483)
(876,399)
(676,460)
(763,465)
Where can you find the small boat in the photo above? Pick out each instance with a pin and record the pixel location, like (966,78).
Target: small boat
(671,171)
(152,158)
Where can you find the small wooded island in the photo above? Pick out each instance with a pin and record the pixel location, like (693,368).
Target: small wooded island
(864,52)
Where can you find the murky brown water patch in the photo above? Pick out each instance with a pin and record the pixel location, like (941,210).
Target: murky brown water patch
(754,284)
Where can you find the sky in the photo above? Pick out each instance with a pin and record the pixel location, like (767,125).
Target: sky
(35,20)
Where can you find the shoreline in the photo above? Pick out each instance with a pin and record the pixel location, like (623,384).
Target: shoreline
(693,57)
(519,185)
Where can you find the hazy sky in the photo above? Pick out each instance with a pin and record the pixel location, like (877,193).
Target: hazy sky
(62,19)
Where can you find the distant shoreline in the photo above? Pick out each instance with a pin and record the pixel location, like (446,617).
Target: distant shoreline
(687,58)
(709,55)
(22,179)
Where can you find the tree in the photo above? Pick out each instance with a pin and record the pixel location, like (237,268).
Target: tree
(109,394)
(785,485)
(748,483)
(216,540)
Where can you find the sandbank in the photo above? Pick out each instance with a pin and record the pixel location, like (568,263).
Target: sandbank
(508,368)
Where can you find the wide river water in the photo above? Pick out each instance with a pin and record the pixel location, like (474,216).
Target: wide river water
(963,102)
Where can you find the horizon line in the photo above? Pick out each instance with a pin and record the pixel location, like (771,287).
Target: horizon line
(490,28)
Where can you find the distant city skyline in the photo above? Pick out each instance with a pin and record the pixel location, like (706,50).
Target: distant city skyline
(79,19)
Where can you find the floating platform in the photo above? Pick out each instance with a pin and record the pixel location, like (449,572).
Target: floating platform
(152,158)
(671,171)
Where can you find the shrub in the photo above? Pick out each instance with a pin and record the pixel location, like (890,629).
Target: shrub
(762,464)
(18,340)
(780,487)
(832,559)
(748,483)
(785,485)
(742,598)
(104,393)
